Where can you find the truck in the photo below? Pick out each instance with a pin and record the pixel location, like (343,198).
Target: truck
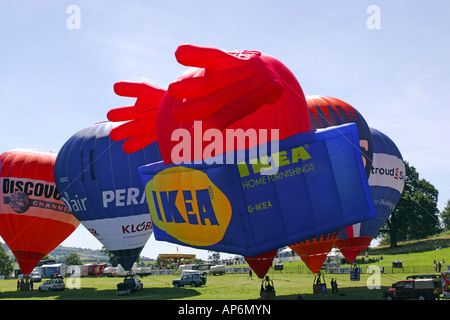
(435,277)
(52,270)
(217,269)
(421,289)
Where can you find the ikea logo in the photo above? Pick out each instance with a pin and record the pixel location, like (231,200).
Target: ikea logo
(187,205)
(199,210)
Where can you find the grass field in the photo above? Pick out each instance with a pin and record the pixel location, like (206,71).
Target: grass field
(289,283)
(225,287)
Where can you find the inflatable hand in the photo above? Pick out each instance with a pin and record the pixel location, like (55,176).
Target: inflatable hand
(231,86)
(141,130)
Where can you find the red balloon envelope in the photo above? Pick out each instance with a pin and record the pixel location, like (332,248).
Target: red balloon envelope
(33,219)
(261,263)
(225,90)
(314,251)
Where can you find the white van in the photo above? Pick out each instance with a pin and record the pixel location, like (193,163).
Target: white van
(53,284)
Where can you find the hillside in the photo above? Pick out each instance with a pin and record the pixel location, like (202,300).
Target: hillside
(414,246)
(86,255)
(59,254)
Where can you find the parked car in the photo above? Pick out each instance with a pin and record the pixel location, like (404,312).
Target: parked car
(52,284)
(192,279)
(128,285)
(421,289)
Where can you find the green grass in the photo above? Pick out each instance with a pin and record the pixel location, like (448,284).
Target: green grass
(225,287)
(295,279)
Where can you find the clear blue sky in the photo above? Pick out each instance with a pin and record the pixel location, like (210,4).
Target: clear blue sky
(55,81)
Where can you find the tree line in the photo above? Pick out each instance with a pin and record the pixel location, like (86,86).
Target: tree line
(416,215)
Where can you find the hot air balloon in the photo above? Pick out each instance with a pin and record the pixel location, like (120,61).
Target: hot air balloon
(314,251)
(326,112)
(243,90)
(319,186)
(261,263)
(100,185)
(33,219)
(386,181)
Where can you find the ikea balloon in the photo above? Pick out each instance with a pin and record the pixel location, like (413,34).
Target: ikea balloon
(386,181)
(243,90)
(33,219)
(326,112)
(223,90)
(320,186)
(100,185)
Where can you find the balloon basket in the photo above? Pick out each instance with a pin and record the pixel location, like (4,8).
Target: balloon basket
(319,285)
(267,291)
(355,273)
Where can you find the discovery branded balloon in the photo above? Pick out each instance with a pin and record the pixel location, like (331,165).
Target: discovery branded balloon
(319,186)
(100,185)
(386,182)
(33,219)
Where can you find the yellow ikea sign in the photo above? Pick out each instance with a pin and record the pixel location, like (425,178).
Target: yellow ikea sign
(188,206)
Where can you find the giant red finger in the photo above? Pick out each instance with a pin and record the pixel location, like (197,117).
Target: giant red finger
(267,93)
(210,82)
(130,112)
(201,108)
(206,57)
(140,141)
(133,128)
(138,89)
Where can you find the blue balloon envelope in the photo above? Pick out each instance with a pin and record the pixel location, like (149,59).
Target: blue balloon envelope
(315,183)
(100,185)
(386,181)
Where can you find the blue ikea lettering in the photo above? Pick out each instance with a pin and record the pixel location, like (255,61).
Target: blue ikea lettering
(199,209)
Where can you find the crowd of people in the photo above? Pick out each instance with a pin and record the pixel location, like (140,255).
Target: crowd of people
(25,285)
